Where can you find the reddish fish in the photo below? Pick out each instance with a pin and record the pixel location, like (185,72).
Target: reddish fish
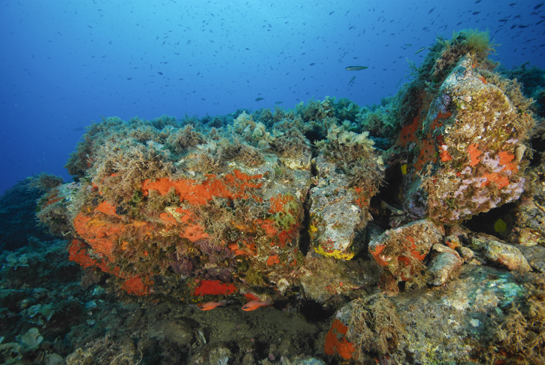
(254,304)
(211,305)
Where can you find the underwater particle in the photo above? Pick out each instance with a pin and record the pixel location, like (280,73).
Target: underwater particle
(355,68)
(500,226)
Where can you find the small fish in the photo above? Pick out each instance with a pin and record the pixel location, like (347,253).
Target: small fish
(258,99)
(160,73)
(500,226)
(351,80)
(355,68)
(211,305)
(420,50)
(254,304)
(408,45)
(278,102)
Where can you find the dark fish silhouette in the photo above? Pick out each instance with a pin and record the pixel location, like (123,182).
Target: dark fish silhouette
(355,68)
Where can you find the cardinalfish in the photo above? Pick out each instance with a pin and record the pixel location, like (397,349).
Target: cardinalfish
(254,304)
(211,305)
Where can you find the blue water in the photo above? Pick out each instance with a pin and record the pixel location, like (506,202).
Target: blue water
(64,64)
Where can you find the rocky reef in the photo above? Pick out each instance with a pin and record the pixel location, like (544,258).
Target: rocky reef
(368,213)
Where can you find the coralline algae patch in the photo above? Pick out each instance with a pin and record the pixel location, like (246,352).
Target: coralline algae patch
(230,186)
(136,284)
(336,341)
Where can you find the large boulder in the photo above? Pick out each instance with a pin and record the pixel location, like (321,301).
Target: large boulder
(455,325)
(468,141)
(198,212)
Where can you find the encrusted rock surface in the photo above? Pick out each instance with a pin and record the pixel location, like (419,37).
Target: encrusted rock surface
(337,212)
(430,325)
(472,134)
(444,265)
(500,252)
(402,250)
(535,256)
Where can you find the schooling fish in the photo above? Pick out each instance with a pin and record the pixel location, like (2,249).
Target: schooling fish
(211,305)
(355,68)
(259,99)
(254,304)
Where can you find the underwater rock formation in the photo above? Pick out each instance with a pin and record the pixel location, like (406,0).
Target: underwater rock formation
(192,211)
(157,204)
(411,328)
(17,211)
(471,153)
(402,250)
(348,173)
(324,205)
(462,147)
